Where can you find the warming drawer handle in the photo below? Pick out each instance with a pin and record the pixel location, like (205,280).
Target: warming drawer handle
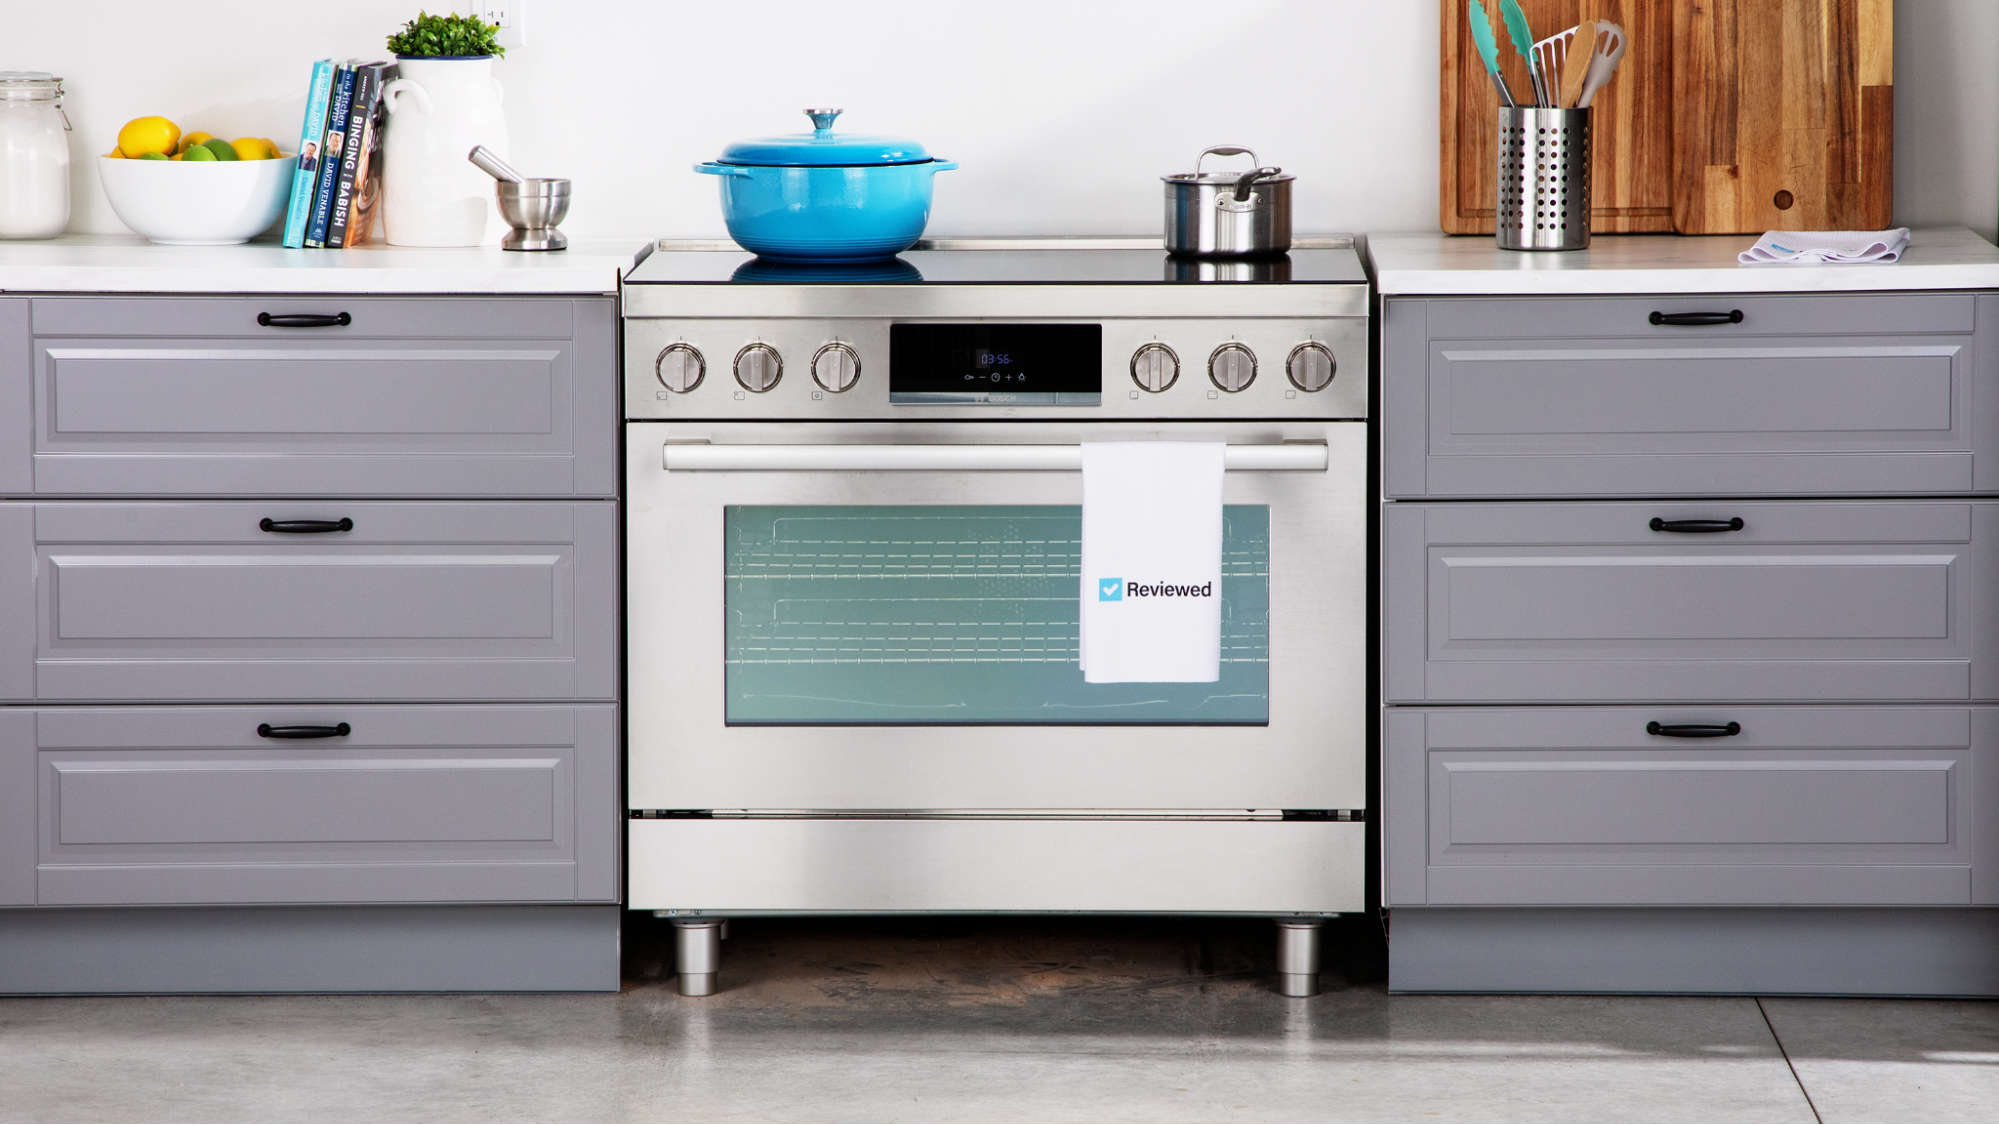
(306,320)
(304,527)
(1692,730)
(1697,527)
(1310,457)
(1697,319)
(337,730)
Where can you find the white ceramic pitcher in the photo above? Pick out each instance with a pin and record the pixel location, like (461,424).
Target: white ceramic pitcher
(438,110)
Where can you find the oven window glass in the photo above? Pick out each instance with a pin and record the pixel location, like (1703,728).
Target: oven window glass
(957,615)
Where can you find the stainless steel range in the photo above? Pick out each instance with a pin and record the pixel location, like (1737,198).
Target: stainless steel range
(852,548)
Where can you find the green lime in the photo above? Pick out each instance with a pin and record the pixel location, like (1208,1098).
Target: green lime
(197,153)
(156,156)
(220,149)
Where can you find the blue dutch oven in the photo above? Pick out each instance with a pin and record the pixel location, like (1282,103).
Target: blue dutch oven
(826,197)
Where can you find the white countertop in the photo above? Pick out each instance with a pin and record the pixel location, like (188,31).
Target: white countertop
(130,264)
(1470,265)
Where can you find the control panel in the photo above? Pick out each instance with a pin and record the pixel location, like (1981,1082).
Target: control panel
(971,369)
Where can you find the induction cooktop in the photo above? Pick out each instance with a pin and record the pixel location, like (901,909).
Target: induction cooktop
(1057,261)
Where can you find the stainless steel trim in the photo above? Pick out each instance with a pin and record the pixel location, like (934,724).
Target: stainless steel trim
(1296,300)
(1004,814)
(680,457)
(1111,242)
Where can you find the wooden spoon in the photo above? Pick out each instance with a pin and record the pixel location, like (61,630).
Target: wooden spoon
(1575,65)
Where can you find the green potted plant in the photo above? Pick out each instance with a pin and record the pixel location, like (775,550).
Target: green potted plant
(445,101)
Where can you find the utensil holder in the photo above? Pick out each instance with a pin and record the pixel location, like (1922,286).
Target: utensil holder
(1543,179)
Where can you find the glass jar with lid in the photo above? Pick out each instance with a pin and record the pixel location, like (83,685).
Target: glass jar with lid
(34,155)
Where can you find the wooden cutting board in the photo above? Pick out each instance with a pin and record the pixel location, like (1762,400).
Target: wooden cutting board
(1632,156)
(1785,115)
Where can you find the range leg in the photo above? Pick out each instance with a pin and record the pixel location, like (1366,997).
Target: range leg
(1298,956)
(697,953)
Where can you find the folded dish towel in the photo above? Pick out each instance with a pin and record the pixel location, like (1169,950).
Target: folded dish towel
(1152,562)
(1825,247)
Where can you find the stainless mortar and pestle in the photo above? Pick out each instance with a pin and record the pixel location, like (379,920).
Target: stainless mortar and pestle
(534,208)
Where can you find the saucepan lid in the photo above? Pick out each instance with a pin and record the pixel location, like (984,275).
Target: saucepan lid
(822,147)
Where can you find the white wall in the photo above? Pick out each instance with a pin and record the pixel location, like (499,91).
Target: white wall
(1063,112)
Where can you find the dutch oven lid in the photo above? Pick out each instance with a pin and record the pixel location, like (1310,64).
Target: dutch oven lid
(822,147)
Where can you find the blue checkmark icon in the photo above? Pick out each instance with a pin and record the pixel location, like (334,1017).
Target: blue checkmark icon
(1110,590)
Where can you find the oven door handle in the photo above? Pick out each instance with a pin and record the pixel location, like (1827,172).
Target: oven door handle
(1305,457)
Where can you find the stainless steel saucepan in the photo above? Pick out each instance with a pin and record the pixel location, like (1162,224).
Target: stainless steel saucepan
(1228,214)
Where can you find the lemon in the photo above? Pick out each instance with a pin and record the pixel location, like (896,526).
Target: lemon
(143,135)
(114,154)
(251,148)
(197,153)
(195,138)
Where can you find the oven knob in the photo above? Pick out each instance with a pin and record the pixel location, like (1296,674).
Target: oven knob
(680,368)
(758,368)
(1311,367)
(1154,367)
(836,367)
(1232,367)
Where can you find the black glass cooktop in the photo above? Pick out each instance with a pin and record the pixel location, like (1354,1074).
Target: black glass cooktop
(1001,267)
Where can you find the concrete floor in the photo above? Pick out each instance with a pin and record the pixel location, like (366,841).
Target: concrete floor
(997,1020)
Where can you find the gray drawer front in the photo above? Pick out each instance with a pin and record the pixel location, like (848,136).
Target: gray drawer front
(1863,806)
(1852,395)
(1810,601)
(459,412)
(437,804)
(192,601)
(409,318)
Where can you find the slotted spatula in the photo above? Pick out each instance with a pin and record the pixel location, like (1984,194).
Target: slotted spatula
(1606,53)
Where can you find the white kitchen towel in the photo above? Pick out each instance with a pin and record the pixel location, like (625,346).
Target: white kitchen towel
(1152,562)
(1825,247)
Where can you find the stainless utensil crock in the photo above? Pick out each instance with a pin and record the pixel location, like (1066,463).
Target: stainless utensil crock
(1228,214)
(1543,181)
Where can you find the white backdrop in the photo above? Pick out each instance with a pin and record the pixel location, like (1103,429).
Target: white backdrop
(1064,113)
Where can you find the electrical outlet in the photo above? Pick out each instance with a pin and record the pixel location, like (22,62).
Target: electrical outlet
(511,15)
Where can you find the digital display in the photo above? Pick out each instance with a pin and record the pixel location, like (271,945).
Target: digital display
(996,364)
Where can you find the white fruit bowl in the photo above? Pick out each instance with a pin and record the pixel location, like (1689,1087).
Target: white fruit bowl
(209,203)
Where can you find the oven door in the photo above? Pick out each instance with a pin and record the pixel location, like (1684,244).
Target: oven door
(883,616)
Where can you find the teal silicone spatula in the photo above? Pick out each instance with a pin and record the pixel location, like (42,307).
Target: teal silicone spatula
(1523,42)
(1488,49)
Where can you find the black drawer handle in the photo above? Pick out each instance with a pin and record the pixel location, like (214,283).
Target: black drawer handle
(337,730)
(325,320)
(1697,527)
(305,527)
(1697,320)
(1677,730)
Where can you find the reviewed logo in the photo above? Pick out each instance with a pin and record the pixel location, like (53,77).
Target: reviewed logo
(1110,589)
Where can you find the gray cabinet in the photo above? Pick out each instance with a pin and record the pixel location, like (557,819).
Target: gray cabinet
(1579,602)
(412,397)
(1684,615)
(392,534)
(1801,806)
(192,805)
(1845,395)
(416,600)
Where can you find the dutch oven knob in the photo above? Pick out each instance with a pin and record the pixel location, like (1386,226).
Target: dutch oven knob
(822,119)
